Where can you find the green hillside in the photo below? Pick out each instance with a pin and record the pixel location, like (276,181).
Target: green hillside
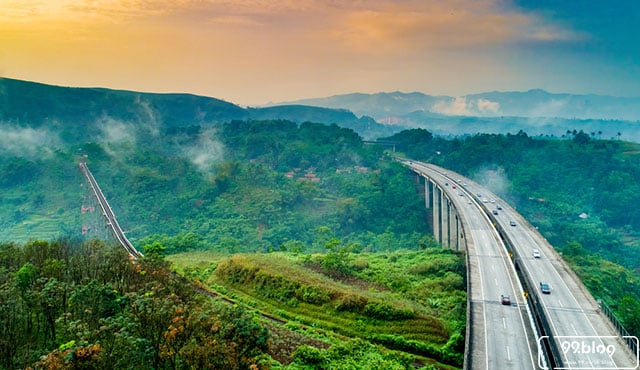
(78,115)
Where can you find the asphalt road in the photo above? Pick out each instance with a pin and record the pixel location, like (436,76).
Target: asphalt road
(584,337)
(500,332)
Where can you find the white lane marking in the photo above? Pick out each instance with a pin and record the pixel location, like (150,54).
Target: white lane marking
(574,329)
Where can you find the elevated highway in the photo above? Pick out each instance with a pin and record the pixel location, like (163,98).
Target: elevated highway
(107,212)
(573,322)
(564,329)
(497,334)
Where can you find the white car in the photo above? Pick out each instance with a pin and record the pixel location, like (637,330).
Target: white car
(536,253)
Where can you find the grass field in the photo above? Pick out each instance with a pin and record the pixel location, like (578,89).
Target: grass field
(410,301)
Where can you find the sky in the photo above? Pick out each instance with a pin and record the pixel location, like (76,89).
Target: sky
(252,52)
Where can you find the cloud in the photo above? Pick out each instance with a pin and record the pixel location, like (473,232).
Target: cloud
(495,179)
(487,106)
(456,107)
(434,24)
(384,24)
(150,120)
(205,152)
(463,106)
(115,132)
(28,142)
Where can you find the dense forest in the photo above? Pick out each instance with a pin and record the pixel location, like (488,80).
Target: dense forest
(72,305)
(248,186)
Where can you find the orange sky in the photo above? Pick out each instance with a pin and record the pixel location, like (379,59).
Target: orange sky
(256,51)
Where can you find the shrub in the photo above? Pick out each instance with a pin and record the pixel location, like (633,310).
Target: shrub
(312,295)
(351,303)
(360,264)
(384,311)
(306,355)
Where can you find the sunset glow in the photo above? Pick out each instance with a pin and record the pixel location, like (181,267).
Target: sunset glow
(252,52)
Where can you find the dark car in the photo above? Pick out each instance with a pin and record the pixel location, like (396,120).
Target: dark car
(504,299)
(545,288)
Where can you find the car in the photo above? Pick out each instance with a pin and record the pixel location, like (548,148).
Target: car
(453,186)
(536,253)
(492,200)
(512,223)
(495,212)
(499,207)
(504,299)
(545,288)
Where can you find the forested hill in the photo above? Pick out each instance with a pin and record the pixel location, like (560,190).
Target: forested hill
(77,113)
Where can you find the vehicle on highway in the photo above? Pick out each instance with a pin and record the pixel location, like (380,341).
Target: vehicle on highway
(536,253)
(512,223)
(504,299)
(499,207)
(545,288)
(495,211)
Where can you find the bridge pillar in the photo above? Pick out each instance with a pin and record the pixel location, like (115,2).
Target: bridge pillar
(453,216)
(437,213)
(428,190)
(455,231)
(447,226)
(446,221)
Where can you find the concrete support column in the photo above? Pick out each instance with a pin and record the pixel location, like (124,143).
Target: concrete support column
(437,213)
(455,231)
(427,192)
(446,221)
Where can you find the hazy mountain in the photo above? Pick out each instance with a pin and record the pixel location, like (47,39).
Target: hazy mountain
(535,112)
(391,107)
(81,114)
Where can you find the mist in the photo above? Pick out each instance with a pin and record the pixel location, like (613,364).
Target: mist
(495,179)
(205,152)
(28,142)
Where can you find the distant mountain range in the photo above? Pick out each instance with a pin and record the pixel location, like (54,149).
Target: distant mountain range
(85,114)
(392,107)
(535,112)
